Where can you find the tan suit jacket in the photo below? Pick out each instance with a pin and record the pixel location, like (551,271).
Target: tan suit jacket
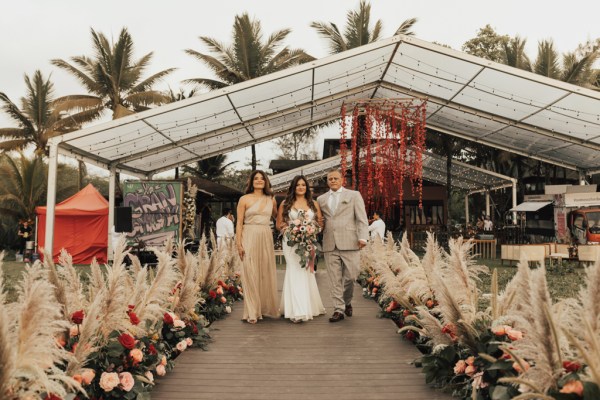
(349,223)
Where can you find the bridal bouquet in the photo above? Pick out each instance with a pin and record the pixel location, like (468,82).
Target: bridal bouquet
(302,232)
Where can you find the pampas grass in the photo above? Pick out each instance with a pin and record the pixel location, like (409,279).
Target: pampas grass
(36,322)
(581,324)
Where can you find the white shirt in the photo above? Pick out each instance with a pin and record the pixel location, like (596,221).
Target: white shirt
(488,225)
(224,229)
(334,199)
(377,227)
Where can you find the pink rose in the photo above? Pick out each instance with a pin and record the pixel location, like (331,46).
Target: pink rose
(573,386)
(109,381)
(181,346)
(219,290)
(297,222)
(514,334)
(223,300)
(88,376)
(178,323)
(459,367)
(126,381)
(163,360)
(160,370)
(189,341)
(136,355)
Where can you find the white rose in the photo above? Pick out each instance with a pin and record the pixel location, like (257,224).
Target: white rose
(228,309)
(181,346)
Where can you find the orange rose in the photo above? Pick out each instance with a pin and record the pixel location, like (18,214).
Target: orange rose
(459,367)
(88,376)
(499,330)
(514,334)
(573,387)
(470,370)
(517,367)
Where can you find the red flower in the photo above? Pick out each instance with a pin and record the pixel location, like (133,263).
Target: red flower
(131,307)
(152,349)
(571,366)
(77,317)
(133,318)
(212,294)
(52,396)
(194,328)
(410,335)
(232,289)
(222,284)
(406,313)
(127,341)
(167,319)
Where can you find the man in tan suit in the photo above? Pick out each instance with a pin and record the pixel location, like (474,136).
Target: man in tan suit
(346,232)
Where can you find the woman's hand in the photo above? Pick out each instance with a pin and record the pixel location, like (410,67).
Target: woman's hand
(241,251)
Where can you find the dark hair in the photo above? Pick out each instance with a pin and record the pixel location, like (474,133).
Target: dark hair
(226,211)
(250,187)
(377,212)
(290,196)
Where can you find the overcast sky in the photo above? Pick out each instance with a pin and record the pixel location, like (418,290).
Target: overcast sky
(33,32)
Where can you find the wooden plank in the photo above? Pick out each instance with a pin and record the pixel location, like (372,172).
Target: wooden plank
(359,358)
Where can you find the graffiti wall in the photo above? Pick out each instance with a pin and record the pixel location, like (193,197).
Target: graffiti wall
(156,210)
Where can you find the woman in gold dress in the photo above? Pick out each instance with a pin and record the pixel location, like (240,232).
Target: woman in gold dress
(254,241)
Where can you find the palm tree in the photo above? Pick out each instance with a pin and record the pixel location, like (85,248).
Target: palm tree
(514,53)
(113,78)
(39,118)
(178,96)
(358,29)
(248,57)
(22,185)
(211,168)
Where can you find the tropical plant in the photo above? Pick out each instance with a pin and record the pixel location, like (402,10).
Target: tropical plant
(113,78)
(514,53)
(358,30)
(211,168)
(40,116)
(248,57)
(22,185)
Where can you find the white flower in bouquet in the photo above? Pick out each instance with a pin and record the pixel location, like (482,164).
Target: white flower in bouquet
(302,233)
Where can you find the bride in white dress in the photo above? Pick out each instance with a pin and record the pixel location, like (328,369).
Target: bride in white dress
(300,300)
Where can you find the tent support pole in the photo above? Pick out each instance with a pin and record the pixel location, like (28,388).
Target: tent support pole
(466,210)
(514,201)
(51,198)
(487,204)
(111,211)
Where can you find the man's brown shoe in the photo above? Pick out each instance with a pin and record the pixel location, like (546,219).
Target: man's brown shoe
(337,316)
(348,310)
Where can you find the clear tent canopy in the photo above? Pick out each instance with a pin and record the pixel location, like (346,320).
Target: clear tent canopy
(466,96)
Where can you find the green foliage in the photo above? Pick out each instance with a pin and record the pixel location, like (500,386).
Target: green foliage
(487,44)
(211,168)
(113,78)
(358,30)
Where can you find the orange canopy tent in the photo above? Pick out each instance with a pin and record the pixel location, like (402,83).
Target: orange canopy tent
(81,226)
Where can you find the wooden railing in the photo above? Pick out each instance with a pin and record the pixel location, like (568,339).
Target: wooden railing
(485,249)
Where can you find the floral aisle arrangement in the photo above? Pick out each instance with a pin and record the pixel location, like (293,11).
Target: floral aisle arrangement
(303,232)
(522,346)
(110,337)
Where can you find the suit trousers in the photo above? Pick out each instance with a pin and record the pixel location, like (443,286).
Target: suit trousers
(342,268)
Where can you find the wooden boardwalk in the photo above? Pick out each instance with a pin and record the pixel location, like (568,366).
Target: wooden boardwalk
(359,358)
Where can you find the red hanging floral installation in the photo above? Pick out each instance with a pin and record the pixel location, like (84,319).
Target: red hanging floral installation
(387,140)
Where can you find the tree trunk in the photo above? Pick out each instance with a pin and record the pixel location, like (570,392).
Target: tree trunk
(253,157)
(82,173)
(176,172)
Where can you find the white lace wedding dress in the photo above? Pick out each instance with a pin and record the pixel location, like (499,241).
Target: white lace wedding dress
(300,300)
